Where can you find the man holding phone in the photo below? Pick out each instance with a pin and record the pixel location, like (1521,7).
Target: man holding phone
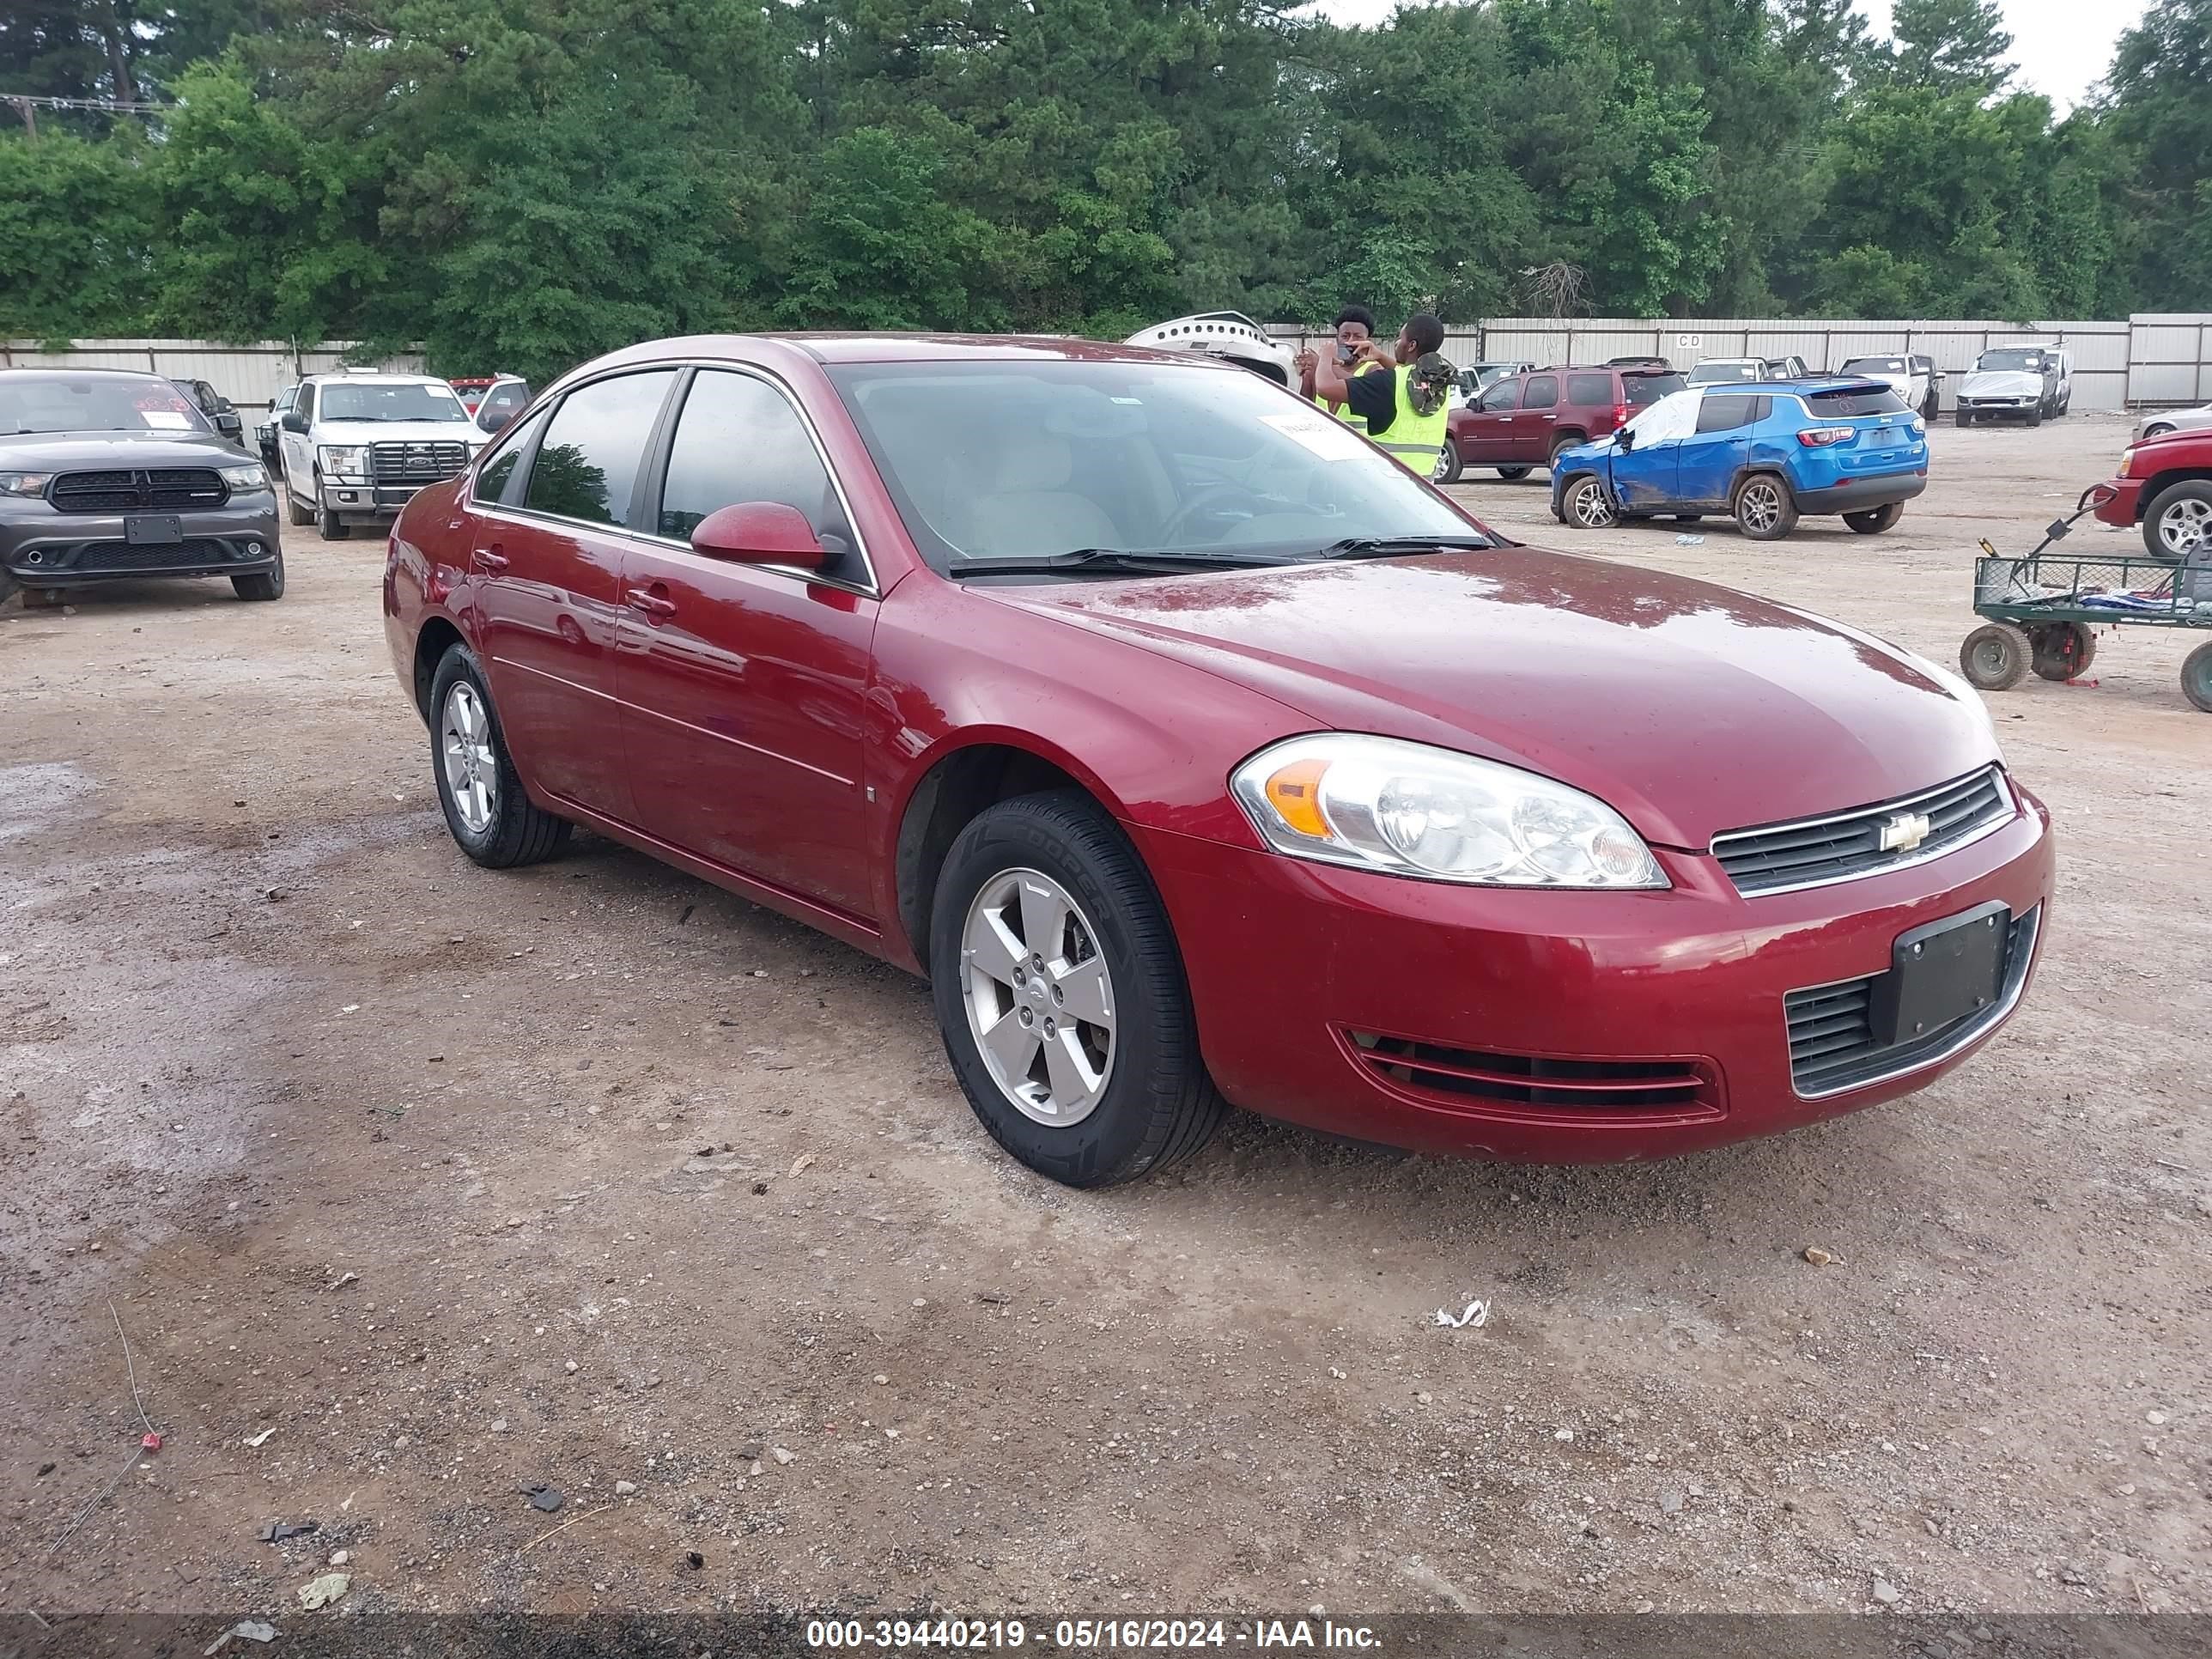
(1403,409)
(1353,354)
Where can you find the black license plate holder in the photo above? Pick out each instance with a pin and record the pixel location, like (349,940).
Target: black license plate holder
(152,530)
(1942,972)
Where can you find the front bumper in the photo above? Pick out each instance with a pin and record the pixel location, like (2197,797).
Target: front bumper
(1857,494)
(2025,405)
(57,550)
(1288,960)
(2118,501)
(369,500)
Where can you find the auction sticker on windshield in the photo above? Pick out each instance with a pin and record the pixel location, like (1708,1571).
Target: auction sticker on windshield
(1332,441)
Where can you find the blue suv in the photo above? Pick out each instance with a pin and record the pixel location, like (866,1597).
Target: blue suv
(1764,451)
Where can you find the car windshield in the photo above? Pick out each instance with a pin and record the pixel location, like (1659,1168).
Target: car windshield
(2011,357)
(379,400)
(1712,374)
(94,402)
(1876,366)
(1642,389)
(1028,459)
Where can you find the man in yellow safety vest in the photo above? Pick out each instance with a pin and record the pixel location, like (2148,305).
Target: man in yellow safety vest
(1403,406)
(1355,337)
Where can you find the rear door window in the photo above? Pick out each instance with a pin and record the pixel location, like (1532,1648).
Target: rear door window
(1587,390)
(1726,414)
(587,467)
(1543,391)
(1639,390)
(1828,405)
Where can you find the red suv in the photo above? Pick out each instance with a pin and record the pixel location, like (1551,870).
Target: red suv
(1521,422)
(2166,486)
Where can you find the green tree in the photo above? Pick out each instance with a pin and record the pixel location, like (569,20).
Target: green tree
(2157,119)
(77,247)
(1951,45)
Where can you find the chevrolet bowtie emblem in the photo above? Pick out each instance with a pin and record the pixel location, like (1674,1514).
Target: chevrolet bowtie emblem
(1905,832)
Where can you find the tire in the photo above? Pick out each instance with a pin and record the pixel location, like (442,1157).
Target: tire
(2196,676)
(1996,656)
(297,510)
(1964,417)
(2179,521)
(513,830)
(1876,520)
(1584,504)
(2063,650)
(261,584)
(1449,466)
(1564,440)
(2157,430)
(2035,415)
(1514,474)
(1151,1103)
(1930,407)
(1764,508)
(331,527)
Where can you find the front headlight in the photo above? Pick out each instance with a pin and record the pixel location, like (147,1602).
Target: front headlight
(1406,808)
(25,483)
(2127,459)
(346,461)
(253,475)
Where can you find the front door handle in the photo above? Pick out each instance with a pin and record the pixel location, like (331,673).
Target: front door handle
(653,604)
(490,558)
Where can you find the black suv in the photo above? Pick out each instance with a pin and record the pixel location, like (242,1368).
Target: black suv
(107,475)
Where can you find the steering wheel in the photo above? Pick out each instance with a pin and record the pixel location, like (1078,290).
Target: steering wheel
(1206,502)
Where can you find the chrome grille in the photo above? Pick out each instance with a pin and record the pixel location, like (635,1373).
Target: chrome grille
(1830,1027)
(1777,858)
(133,491)
(400,461)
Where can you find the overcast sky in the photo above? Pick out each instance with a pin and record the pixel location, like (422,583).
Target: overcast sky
(2061,45)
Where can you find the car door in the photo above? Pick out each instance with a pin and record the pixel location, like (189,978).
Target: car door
(1484,430)
(742,685)
(1707,458)
(1643,473)
(296,449)
(1531,441)
(551,511)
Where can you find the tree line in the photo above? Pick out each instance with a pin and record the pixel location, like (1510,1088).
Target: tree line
(521,184)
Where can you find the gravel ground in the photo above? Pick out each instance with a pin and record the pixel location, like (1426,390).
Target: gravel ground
(412,1184)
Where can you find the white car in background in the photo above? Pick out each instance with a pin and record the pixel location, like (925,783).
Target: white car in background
(358,444)
(2161,422)
(1912,376)
(2027,381)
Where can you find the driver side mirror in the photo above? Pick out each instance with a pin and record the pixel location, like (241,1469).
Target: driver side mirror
(1625,438)
(759,532)
(295,421)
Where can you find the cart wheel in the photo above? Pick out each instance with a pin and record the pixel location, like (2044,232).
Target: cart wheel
(2063,650)
(1996,656)
(2196,676)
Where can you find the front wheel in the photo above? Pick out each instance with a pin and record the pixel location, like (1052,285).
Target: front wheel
(2179,521)
(1449,466)
(1586,506)
(2157,430)
(1061,995)
(1765,510)
(1996,656)
(331,527)
(1513,474)
(493,820)
(2196,676)
(261,584)
(2063,650)
(1876,520)
(2035,415)
(1964,417)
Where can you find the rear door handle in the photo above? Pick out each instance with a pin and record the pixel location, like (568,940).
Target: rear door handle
(653,604)
(491,558)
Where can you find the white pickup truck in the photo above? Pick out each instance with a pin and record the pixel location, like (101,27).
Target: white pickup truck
(357,445)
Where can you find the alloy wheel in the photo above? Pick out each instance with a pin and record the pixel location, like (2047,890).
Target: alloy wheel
(2184,525)
(471,769)
(1592,507)
(1759,506)
(1039,997)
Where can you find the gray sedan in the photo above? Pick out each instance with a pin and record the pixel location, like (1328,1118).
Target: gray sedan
(2158,423)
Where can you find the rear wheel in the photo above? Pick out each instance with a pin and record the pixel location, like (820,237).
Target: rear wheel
(2179,521)
(1062,997)
(261,584)
(2063,650)
(2196,676)
(297,510)
(1449,466)
(1876,520)
(1996,656)
(1587,506)
(1511,473)
(493,820)
(1764,510)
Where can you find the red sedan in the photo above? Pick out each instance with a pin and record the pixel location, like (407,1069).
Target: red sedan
(1197,752)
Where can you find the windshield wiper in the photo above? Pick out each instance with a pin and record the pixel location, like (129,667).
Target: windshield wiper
(1379,547)
(1116,558)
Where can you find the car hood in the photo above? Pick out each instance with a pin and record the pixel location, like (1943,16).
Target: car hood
(38,452)
(2001,383)
(385,432)
(1690,707)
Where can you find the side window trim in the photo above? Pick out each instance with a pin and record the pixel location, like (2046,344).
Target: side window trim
(1532,383)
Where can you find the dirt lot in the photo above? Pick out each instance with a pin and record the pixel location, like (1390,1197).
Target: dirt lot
(435,1182)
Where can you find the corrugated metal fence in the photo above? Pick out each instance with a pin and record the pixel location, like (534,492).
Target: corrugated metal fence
(2146,360)
(250,376)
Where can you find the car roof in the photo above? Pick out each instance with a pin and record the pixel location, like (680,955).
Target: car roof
(1807,383)
(831,349)
(371,377)
(57,368)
